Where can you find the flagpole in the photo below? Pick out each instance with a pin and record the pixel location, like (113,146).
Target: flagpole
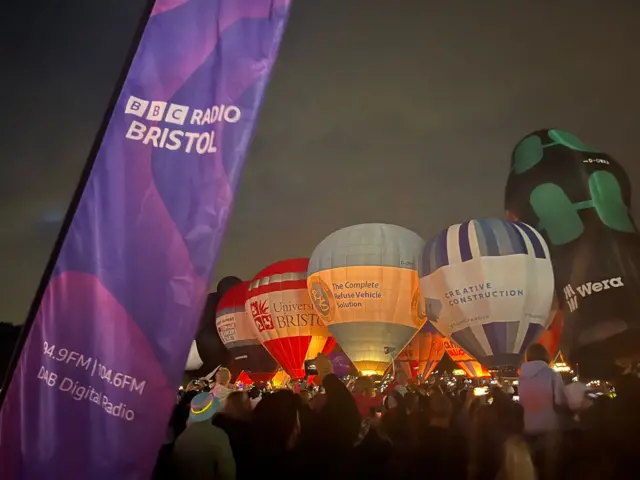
(75,201)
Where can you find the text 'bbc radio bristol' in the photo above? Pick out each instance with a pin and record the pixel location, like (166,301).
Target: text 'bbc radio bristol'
(166,125)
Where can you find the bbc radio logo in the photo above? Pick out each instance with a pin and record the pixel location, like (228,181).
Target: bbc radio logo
(172,126)
(156,111)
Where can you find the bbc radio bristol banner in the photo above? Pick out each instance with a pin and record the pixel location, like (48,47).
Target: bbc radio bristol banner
(96,381)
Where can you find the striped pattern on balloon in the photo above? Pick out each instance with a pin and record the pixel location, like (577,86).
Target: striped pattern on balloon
(420,357)
(464,361)
(488,285)
(283,317)
(238,335)
(363,282)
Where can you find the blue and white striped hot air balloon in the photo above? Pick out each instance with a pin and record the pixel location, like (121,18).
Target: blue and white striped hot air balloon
(488,286)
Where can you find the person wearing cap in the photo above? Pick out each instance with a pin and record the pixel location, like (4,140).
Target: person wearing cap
(203,450)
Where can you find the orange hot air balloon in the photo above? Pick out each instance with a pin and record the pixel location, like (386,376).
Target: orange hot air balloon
(550,339)
(244,379)
(422,354)
(281,379)
(284,318)
(464,361)
(364,283)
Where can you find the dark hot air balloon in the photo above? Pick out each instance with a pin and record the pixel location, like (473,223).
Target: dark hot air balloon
(550,339)
(208,345)
(579,198)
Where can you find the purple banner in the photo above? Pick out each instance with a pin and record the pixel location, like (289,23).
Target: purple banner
(92,394)
(342,366)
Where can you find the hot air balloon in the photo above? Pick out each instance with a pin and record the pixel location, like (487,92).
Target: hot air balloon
(281,379)
(283,316)
(194,362)
(238,335)
(550,339)
(244,379)
(364,284)
(464,361)
(208,347)
(420,357)
(580,200)
(488,286)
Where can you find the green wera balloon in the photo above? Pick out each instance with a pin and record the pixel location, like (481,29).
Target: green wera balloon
(579,198)
(558,215)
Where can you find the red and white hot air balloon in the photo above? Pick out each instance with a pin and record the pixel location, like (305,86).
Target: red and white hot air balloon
(284,318)
(236,331)
(464,361)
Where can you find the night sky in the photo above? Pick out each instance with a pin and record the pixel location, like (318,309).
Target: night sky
(378,111)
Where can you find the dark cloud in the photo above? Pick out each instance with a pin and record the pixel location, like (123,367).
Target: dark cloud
(401,112)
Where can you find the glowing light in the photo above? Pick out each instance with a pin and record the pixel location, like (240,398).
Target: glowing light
(561,368)
(372,310)
(480,391)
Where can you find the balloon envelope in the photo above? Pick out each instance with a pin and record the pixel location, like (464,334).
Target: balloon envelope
(281,379)
(238,335)
(364,284)
(464,361)
(194,362)
(210,347)
(420,357)
(226,283)
(488,285)
(244,379)
(283,317)
(550,339)
(579,198)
